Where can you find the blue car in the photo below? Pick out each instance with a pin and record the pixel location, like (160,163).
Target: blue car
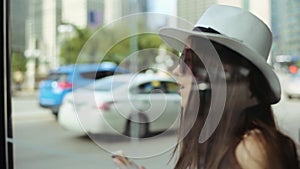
(70,77)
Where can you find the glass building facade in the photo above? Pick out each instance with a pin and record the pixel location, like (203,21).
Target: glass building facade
(286,27)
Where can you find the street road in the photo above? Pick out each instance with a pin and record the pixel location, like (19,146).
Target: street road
(40,142)
(287,113)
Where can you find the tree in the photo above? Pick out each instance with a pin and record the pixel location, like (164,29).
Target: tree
(71,47)
(144,41)
(18,62)
(18,69)
(107,44)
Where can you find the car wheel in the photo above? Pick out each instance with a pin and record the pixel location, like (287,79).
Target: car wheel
(55,113)
(137,126)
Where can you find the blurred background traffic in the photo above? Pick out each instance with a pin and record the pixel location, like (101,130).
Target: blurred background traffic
(49,34)
(64,47)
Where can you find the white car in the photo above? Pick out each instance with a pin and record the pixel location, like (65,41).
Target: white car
(131,104)
(291,86)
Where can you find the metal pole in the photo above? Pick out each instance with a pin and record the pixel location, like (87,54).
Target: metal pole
(133,39)
(134,63)
(6,150)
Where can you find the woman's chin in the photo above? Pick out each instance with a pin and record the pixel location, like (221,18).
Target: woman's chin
(182,92)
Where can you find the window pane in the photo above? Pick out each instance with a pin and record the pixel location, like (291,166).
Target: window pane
(57,125)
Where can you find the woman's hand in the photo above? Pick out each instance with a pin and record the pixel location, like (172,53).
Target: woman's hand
(123,162)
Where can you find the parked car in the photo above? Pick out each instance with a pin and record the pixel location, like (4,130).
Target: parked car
(291,85)
(70,77)
(129,104)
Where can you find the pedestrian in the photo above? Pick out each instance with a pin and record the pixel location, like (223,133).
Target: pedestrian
(227,90)
(18,78)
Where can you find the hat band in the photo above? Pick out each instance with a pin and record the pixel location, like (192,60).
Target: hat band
(207,30)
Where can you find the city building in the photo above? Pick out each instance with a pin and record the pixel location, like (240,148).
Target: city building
(115,9)
(83,13)
(163,13)
(286,27)
(19,14)
(112,10)
(40,39)
(191,10)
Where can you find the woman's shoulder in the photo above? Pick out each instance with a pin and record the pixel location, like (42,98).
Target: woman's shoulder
(251,152)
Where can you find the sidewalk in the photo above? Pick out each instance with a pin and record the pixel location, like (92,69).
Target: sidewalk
(25,93)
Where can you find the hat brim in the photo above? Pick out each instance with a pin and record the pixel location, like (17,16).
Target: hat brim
(176,38)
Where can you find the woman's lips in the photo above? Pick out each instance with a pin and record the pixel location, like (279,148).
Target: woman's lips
(181,87)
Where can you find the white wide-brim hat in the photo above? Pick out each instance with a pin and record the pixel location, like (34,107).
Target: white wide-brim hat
(238,30)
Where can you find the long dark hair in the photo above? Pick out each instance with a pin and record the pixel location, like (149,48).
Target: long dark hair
(236,121)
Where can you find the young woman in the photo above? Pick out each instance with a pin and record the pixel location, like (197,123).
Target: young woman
(227,90)
(226,55)
(246,135)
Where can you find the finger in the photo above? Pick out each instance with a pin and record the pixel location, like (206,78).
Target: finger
(123,160)
(119,164)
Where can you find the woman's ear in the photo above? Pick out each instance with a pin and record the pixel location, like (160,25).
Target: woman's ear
(253,99)
(259,86)
(251,93)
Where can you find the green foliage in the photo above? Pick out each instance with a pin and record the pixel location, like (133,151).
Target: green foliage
(108,44)
(70,48)
(18,62)
(149,41)
(144,41)
(119,51)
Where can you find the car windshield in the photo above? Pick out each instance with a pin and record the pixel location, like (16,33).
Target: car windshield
(107,84)
(96,75)
(58,77)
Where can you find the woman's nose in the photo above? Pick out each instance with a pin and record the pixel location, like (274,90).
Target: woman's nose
(176,71)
